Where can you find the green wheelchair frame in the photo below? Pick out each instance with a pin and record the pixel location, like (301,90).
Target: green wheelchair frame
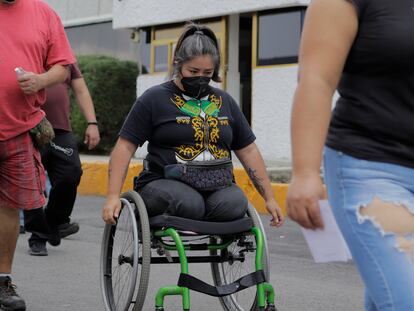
(135,255)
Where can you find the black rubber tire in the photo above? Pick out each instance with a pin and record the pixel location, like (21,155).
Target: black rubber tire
(120,263)
(234,302)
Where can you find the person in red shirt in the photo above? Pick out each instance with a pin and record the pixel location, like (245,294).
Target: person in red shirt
(61,159)
(32,37)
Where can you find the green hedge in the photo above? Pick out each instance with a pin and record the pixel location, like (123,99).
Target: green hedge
(112,84)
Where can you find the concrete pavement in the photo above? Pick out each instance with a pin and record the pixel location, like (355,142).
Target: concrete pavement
(68,279)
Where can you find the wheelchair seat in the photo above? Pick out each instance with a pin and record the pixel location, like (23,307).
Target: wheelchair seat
(201,227)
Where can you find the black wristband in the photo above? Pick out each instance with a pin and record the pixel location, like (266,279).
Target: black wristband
(93,123)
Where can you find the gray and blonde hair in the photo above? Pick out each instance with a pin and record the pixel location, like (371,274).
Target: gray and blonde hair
(196,40)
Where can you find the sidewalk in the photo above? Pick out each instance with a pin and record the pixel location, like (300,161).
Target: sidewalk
(68,279)
(95,178)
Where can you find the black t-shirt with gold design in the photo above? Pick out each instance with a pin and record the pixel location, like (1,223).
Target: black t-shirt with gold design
(179,128)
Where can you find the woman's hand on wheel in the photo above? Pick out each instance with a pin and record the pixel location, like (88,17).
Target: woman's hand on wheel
(111,209)
(303,200)
(276,213)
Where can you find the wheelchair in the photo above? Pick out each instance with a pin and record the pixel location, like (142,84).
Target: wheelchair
(232,249)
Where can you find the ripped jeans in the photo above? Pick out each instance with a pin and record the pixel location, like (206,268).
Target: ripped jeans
(373,204)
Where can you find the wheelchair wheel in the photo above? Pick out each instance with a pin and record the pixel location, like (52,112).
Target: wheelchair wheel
(126,257)
(241,261)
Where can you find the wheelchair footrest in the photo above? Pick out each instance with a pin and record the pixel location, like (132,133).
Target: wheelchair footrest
(244,282)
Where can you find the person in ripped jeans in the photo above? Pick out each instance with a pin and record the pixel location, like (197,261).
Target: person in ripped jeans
(366,143)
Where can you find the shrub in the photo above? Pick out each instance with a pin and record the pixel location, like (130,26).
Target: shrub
(112,84)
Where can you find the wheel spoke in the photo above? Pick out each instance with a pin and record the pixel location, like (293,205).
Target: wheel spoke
(121,249)
(241,256)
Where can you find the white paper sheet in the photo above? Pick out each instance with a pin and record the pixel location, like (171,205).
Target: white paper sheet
(328,244)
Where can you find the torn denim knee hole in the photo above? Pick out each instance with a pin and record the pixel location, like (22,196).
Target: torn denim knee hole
(391,219)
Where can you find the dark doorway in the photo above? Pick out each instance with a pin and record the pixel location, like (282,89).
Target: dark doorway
(245,65)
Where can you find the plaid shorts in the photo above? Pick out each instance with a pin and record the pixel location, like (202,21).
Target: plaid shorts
(22,177)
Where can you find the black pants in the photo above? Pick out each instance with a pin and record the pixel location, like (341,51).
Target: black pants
(165,196)
(61,161)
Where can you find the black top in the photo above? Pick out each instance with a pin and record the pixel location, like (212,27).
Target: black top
(374,116)
(179,128)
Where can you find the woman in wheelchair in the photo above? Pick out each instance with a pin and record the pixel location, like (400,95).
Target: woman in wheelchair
(187,190)
(191,128)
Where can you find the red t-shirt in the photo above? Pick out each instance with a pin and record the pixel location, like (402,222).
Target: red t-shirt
(31,37)
(57,105)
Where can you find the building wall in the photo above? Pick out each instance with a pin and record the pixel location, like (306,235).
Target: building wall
(272,97)
(78,12)
(144,82)
(137,13)
(272,88)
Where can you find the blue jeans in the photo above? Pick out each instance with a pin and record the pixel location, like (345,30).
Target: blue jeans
(382,253)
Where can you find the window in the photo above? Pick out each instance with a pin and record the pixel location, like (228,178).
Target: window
(102,39)
(278,36)
(144,49)
(160,43)
(161,58)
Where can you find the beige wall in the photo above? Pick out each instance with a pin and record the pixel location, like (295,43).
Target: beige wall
(75,12)
(138,13)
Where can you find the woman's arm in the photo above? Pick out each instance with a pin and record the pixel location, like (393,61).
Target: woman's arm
(118,168)
(329,31)
(254,165)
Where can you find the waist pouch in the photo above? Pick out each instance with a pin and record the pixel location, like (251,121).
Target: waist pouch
(202,175)
(42,133)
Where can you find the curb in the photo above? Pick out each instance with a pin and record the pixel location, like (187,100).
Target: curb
(95,180)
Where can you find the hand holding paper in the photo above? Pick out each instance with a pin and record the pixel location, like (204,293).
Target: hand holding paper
(328,244)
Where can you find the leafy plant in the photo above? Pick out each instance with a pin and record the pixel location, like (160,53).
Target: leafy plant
(112,85)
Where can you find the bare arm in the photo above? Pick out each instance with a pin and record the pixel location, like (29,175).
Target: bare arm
(118,168)
(329,31)
(31,83)
(254,165)
(85,104)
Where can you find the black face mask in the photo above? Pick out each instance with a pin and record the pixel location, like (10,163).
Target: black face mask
(196,87)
